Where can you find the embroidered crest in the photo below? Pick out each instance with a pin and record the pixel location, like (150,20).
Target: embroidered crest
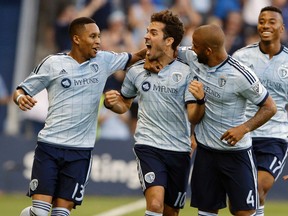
(283,71)
(150,177)
(33,184)
(177,77)
(94,67)
(222,81)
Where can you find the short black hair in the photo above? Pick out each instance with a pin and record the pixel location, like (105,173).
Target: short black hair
(77,24)
(272,8)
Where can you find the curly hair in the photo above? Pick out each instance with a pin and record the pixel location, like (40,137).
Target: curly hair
(173,26)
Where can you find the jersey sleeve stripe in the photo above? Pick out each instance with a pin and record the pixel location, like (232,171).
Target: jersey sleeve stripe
(250,77)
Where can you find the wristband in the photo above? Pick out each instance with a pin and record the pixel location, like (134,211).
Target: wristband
(18,97)
(107,106)
(201,101)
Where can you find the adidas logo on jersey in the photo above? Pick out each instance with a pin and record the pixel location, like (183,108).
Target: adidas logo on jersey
(62,72)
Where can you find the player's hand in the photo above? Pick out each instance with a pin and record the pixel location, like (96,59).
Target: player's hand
(285,177)
(233,135)
(196,89)
(152,66)
(26,102)
(111,98)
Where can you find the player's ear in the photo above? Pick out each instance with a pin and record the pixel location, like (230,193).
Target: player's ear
(169,41)
(76,39)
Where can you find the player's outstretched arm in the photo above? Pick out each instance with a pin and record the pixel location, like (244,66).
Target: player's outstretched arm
(23,101)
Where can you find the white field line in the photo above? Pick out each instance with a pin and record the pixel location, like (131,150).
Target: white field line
(125,209)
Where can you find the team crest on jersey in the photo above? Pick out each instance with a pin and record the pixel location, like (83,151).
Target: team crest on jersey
(66,83)
(177,77)
(33,184)
(146,86)
(94,67)
(149,177)
(283,71)
(222,81)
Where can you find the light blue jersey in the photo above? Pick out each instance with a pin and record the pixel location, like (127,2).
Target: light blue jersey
(162,115)
(74,91)
(273,75)
(228,87)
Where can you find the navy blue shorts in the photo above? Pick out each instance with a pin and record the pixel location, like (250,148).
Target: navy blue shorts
(271,154)
(218,174)
(169,169)
(61,173)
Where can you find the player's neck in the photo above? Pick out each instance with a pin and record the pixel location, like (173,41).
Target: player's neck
(166,59)
(217,59)
(270,48)
(77,56)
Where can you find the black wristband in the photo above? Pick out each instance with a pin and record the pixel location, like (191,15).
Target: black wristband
(201,101)
(106,106)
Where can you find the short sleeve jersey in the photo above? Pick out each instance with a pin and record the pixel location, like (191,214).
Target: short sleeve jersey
(162,115)
(228,87)
(273,74)
(74,91)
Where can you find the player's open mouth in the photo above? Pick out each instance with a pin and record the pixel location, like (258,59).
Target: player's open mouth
(148,48)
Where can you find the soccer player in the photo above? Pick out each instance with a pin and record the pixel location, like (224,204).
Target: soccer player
(74,82)
(168,100)
(224,162)
(269,59)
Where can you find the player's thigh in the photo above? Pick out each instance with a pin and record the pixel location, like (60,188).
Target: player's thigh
(152,171)
(271,155)
(207,191)
(44,174)
(240,180)
(73,177)
(179,164)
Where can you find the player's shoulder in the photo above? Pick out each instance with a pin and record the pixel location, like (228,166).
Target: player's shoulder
(136,68)
(247,49)
(285,50)
(179,61)
(242,70)
(53,57)
(104,53)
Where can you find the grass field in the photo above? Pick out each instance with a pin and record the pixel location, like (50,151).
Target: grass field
(12,204)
